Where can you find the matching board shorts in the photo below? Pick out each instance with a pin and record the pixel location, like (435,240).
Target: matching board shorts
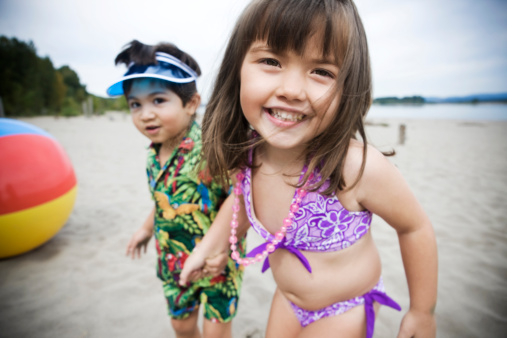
(218,296)
(214,294)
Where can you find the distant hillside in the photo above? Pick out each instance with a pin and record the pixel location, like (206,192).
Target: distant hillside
(475,98)
(400,100)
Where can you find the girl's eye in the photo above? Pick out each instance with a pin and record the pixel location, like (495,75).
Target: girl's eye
(323,72)
(271,62)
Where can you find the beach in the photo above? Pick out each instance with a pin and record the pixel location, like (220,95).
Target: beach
(81,284)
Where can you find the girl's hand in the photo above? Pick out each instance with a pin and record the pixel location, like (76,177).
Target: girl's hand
(196,267)
(418,325)
(139,241)
(193,268)
(216,265)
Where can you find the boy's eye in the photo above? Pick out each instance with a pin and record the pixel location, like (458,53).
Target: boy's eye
(271,62)
(158,100)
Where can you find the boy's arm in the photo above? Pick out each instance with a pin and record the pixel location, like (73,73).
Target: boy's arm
(384,192)
(216,240)
(141,237)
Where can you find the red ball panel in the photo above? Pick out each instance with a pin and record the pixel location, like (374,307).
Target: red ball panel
(34,169)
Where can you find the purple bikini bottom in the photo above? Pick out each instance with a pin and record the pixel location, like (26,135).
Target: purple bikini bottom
(377,294)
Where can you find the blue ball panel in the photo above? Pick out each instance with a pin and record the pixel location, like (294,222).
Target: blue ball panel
(15,127)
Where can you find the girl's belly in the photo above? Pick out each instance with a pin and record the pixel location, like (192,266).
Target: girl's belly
(336,276)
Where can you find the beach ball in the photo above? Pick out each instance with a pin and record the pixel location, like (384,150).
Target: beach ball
(37,187)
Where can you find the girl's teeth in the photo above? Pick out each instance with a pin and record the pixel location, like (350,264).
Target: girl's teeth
(287,117)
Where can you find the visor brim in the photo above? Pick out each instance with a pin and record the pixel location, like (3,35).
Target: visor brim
(116,89)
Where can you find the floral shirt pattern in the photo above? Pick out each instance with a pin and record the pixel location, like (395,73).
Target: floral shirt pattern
(187,201)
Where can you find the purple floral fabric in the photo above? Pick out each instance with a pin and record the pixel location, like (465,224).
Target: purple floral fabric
(377,294)
(320,224)
(307,317)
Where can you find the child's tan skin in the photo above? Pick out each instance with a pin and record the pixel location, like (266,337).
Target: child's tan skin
(294,282)
(381,189)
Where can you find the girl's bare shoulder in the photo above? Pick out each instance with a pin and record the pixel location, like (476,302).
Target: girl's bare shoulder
(374,160)
(378,179)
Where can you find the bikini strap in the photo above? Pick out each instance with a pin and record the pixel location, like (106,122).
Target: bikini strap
(380,297)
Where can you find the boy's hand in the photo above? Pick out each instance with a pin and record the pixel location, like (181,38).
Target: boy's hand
(418,325)
(138,241)
(215,265)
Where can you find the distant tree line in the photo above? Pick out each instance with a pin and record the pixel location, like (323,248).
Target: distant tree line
(419,100)
(30,85)
(397,100)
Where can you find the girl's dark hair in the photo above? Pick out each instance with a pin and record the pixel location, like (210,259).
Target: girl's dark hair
(288,25)
(142,54)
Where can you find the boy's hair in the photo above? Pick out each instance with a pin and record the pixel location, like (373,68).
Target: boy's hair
(288,25)
(141,54)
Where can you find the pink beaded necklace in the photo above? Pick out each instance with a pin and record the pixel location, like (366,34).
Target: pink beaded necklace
(279,235)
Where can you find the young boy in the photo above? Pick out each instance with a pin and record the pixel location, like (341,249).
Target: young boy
(161,91)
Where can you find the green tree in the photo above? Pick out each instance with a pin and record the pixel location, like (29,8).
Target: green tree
(18,73)
(59,92)
(74,87)
(30,85)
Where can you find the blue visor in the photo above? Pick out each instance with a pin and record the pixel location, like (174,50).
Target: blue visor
(168,68)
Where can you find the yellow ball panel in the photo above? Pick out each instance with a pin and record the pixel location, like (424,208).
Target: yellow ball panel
(27,229)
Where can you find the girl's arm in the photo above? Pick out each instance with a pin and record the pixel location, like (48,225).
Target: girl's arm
(383,191)
(215,241)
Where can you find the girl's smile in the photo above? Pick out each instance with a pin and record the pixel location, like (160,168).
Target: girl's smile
(283,118)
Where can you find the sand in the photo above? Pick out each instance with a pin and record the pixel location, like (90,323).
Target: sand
(80,284)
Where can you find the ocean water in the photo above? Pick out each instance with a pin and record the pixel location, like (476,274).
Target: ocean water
(484,111)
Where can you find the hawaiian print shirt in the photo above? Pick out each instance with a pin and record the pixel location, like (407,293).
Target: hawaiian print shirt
(187,201)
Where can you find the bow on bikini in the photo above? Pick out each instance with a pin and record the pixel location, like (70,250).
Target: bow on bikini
(280,245)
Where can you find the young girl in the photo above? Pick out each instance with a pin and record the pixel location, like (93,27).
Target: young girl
(282,121)
(161,92)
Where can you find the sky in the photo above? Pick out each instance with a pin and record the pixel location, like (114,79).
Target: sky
(432,48)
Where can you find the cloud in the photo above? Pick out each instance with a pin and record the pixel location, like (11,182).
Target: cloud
(426,47)
(437,48)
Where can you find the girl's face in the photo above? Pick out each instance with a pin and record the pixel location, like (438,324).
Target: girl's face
(287,98)
(157,112)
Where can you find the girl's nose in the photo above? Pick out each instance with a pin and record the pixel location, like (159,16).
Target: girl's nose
(292,86)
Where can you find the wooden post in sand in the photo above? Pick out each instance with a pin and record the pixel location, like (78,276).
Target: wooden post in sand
(83,107)
(402,134)
(90,105)
(87,107)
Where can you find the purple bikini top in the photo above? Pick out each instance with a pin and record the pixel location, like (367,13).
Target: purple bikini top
(320,224)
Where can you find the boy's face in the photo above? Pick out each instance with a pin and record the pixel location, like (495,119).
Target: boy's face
(158,113)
